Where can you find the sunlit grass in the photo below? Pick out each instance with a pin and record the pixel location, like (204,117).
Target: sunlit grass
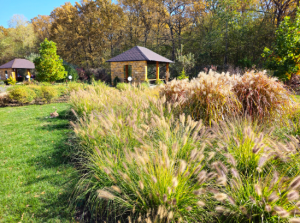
(35,174)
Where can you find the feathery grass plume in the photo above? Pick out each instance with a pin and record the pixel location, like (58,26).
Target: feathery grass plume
(127,140)
(295,184)
(220,209)
(258,190)
(294,220)
(200,203)
(220,196)
(105,195)
(273,197)
(117,189)
(293,195)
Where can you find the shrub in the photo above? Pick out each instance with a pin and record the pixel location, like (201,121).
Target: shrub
(22,94)
(116,81)
(71,71)
(182,75)
(37,90)
(159,82)
(49,93)
(11,81)
(2,82)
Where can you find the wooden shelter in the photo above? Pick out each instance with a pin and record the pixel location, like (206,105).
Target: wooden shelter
(10,69)
(134,63)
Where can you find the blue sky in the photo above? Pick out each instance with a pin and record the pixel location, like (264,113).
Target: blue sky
(28,8)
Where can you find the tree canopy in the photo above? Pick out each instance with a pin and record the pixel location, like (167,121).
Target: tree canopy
(222,33)
(284,57)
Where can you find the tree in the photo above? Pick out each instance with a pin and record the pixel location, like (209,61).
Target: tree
(49,66)
(17,41)
(284,57)
(187,62)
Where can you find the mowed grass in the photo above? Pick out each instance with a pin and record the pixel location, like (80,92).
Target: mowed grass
(36,178)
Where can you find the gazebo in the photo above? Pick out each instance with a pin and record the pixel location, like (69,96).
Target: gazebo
(10,69)
(134,63)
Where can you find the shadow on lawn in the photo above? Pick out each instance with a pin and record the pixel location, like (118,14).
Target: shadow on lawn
(56,205)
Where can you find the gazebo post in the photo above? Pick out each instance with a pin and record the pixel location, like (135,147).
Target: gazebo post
(157,70)
(14,74)
(29,74)
(167,72)
(146,72)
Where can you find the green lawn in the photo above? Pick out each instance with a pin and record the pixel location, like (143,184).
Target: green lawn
(36,178)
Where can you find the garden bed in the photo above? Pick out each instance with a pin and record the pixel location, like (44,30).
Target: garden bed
(178,158)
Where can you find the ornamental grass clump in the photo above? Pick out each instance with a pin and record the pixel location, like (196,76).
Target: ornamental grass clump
(141,163)
(261,96)
(260,174)
(208,97)
(270,198)
(251,149)
(214,96)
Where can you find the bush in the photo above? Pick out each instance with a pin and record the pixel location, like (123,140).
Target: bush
(182,75)
(159,82)
(2,82)
(22,94)
(11,81)
(71,71)
(116,81)
(49,93)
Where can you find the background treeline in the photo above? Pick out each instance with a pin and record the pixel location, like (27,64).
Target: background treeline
(217,32)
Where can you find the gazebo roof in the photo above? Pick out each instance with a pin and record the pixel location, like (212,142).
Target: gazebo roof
(139,53)
(19,64)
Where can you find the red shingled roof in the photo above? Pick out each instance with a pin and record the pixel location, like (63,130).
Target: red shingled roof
(19,64)
(139,53)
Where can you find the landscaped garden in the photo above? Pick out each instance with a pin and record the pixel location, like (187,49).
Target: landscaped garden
(83,143)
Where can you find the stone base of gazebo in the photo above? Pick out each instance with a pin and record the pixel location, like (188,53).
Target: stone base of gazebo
(8,72)
(139,70)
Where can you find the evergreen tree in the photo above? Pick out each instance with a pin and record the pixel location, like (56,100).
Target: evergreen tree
(48,65)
